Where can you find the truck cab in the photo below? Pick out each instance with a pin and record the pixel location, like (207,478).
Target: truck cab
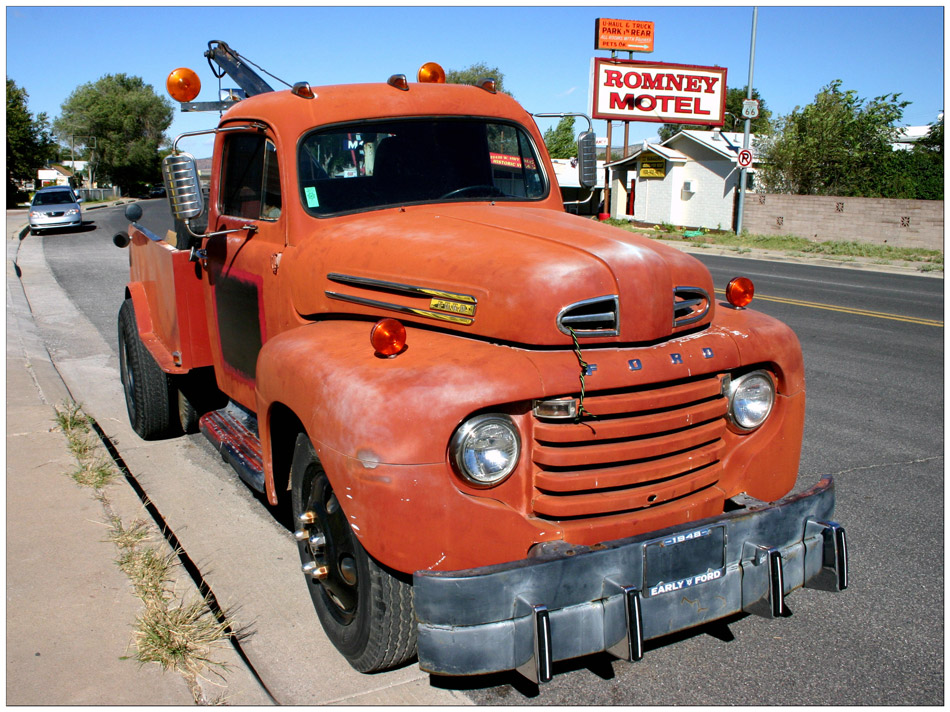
(510,434)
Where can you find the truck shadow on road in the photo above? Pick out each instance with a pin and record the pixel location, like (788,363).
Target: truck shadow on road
(501,685)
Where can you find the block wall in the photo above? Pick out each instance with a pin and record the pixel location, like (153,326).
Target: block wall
(901,223)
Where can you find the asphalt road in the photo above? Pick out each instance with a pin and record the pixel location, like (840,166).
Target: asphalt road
(873,345)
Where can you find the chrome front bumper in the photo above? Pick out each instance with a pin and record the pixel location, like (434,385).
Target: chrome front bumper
(570,601)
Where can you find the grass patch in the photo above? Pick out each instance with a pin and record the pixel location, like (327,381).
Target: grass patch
(180,635)
(97,474)
(927,260)
(71,420)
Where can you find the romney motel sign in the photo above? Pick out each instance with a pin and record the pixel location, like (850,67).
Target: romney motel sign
(630,90)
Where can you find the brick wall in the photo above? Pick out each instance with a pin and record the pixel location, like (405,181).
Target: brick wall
(901,223)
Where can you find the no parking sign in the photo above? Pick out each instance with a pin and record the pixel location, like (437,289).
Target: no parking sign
(745,157)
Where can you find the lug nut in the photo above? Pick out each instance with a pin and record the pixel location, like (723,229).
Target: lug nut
(301,535)
(315,570)
(318,541)
(306,518)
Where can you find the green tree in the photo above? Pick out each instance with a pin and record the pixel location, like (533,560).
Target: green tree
(837,145)
(473,73)
(29,143)
(734,98)
(129,121)
(921,168)
(560,139)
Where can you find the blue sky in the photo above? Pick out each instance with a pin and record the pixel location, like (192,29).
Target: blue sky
(544,52)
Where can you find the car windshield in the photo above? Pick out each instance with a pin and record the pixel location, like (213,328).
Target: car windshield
(54,197)
(376,164)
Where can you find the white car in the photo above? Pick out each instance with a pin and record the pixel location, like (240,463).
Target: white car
(54,208)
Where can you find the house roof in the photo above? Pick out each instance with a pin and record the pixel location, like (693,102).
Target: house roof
(669,154)
(725,143)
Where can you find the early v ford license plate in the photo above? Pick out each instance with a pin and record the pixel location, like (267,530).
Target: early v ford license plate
(684,560)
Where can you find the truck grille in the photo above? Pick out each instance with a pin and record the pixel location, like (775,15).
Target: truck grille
(645,447)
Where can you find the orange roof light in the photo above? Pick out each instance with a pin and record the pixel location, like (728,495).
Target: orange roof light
(740,291)
(432,73)
(183,84)
(388,338)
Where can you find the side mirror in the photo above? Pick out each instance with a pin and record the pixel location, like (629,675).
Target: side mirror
(180,174)
(587,159)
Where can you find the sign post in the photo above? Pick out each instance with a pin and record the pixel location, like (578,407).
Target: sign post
(745,140)
(627,36)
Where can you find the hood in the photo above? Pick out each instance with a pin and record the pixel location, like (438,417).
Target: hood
(520,275)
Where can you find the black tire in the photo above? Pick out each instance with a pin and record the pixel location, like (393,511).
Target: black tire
(148,390)
(365,609)
(188,415)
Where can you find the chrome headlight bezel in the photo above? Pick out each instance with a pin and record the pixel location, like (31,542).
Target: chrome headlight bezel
(749,410)
(463,453)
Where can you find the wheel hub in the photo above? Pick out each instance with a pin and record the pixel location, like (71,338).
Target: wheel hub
(326,545)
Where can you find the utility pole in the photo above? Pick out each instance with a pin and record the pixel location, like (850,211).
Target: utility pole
(748,123)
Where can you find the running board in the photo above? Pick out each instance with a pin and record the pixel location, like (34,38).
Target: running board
(233,431)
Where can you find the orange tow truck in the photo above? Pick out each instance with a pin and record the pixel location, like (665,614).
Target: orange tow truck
(511,435)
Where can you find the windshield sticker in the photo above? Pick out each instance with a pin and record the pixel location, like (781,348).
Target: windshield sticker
(311,194)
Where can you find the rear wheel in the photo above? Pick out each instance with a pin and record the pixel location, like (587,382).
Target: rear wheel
(148,390)
(366,610)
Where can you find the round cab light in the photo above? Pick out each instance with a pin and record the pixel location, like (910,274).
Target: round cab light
(183,84)
(740,291)
(388,337)
(431,73)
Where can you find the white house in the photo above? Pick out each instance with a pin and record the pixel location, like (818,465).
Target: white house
(691,179)
(565,171)
(54,175)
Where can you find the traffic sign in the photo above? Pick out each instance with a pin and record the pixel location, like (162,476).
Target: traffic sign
(750,109)
(745,157)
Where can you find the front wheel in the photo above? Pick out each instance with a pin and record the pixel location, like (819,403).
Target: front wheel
(365,609)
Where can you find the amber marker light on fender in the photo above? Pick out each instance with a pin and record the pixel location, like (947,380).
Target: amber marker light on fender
(183,84)
(739,292)
(388,338)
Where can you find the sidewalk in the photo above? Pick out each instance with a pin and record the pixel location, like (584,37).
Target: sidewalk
(70,610)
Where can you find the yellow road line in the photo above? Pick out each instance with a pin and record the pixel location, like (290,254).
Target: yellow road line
(845,310)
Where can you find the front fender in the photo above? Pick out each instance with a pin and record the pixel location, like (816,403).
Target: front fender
(381,427)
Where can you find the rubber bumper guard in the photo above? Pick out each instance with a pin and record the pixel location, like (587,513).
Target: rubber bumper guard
(568,601)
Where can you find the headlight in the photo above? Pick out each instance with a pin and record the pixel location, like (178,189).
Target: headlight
(485,449)
(34,214)
(72,211)
(750,399)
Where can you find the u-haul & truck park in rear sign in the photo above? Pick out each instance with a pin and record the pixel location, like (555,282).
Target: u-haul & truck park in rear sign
(629,90)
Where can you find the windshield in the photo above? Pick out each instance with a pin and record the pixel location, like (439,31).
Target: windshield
(371,165)
(54,197)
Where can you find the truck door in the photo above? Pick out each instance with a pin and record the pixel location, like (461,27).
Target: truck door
(240,265)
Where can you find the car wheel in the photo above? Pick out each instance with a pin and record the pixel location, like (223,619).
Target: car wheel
(365,609)
(147,388)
